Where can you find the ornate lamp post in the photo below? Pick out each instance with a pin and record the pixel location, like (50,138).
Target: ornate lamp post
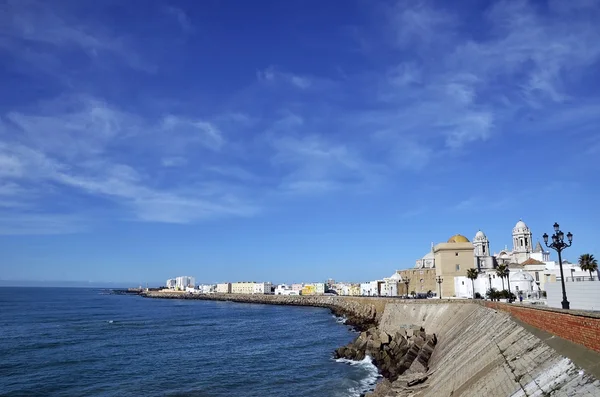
(439,280)
(558,244)
(406,282)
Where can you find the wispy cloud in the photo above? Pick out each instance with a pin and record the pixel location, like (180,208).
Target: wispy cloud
(78,149)
(273,75)
(426,91)
(28,23)
(181,17)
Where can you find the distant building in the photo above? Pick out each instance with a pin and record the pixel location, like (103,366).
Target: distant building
(297,287)
(262,288)
(282,289)
(224,288)
(243,287)
(313,289)
(171,283)
(183,282)
(354,290)
(207,288)
(371,288)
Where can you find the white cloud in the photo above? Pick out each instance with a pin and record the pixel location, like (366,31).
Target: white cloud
(272,75)
(27,22)
(191,131)
(181,18)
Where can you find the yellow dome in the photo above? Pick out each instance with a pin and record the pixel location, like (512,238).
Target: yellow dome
(458,238)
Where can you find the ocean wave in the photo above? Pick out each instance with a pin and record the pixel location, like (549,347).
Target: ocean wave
(367,383)
(340,320)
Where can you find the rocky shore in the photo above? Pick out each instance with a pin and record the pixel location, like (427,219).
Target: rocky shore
(406,352)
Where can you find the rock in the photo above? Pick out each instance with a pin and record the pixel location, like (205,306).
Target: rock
(416,381)
(384,338)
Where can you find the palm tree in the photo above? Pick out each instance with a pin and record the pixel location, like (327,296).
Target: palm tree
(588,263)
(502,271)
(472,274)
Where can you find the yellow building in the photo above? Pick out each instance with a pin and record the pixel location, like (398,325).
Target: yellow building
(452,259)
(308,289)
(354,290)
(243,287)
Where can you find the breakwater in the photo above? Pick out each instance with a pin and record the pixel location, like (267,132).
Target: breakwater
(360,312)
(478,351)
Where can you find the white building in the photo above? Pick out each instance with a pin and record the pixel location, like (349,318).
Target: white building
(182,282)
(284,289)
(262,288)
(281,289)
(371,288)
(171,283)
(390,285)
(207,288)
(224,288)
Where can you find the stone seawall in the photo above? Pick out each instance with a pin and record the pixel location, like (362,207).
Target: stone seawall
(483,352)
(360,312)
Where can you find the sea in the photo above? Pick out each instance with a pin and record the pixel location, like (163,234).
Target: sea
(89,342)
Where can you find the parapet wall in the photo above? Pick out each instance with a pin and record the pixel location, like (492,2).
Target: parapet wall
(579,327)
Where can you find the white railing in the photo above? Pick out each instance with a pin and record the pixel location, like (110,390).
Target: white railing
(579,279)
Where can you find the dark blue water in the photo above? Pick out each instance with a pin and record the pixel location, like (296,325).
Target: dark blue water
(82,342)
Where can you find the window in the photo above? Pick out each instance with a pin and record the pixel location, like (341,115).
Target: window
(457,267)
(537,276)
(421,272)
(421,281)
(526,241)
(456,254)
(463,283)
(484,250)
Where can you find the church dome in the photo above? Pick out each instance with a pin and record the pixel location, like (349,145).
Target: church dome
(521,225)
(521,276)
(480,235)
(458,238)
(429,255)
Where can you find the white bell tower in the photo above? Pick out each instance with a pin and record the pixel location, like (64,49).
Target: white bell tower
(522,244)
(481,244)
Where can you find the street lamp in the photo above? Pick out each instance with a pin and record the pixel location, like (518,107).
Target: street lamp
(406,282)
(440,280)
(558,244)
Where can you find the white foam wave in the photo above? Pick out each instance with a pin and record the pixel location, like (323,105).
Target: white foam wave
(340,320)
(367,383)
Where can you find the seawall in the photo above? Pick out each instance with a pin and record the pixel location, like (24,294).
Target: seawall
(361,312)
(481,350)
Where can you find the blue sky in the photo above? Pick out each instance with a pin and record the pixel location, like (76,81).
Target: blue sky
(289,141)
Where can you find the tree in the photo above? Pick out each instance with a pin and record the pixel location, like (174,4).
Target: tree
(502,271)
(588,263)
(472,274)
(492,294)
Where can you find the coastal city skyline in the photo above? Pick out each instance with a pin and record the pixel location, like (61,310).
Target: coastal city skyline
(251,141)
